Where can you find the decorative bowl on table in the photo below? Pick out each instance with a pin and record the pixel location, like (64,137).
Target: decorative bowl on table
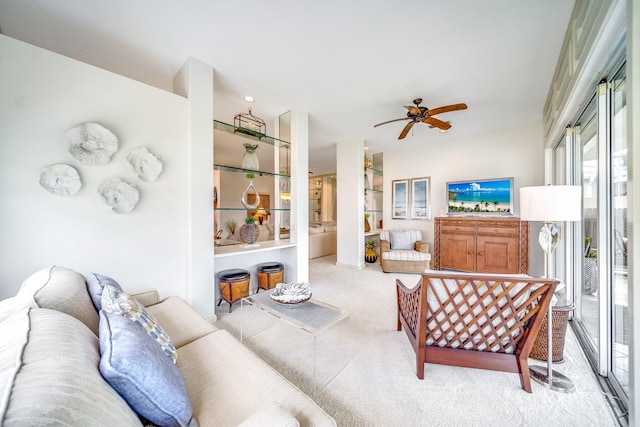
(291,294)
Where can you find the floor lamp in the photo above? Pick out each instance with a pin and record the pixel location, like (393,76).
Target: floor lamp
(550,204)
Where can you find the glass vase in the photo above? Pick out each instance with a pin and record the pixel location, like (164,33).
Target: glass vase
(250,158)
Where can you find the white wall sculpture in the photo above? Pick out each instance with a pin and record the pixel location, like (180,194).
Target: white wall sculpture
(119,195)
(91,144)
(60,179)
(145,164)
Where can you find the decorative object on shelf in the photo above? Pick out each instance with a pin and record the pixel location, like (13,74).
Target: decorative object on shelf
(250,231)
(215,197)
(250,125)
(550,204)
(261,214)
(119,195)
(370,256)
(250,158)
(291,294)
(91,144)
(247,191)
(367,226)
(231,226)
(285,186)
(60,179)
(145,164)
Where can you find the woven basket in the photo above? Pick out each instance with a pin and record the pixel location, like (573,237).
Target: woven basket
(559,320)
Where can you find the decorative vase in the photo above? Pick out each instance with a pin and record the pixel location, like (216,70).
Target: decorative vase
(245,194)
(250,157)
(367,226)
(370,255)
(590,276)
(249,233)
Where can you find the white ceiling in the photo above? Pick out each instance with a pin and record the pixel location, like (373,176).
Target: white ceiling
(349,63)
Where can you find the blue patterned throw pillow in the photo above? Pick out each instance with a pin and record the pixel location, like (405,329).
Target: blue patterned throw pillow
(95,285)
(116,301)
(131,363)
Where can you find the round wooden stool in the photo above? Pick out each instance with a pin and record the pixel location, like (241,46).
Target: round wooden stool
(233,285)
(269,275)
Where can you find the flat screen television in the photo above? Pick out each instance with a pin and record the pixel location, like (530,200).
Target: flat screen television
(480,197)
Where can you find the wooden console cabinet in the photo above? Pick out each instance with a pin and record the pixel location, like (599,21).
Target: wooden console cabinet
(482,245)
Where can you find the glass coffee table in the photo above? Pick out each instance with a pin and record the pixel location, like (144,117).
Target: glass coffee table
(309,340)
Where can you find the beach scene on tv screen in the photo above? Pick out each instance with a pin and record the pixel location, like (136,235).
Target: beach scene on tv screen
(492,196)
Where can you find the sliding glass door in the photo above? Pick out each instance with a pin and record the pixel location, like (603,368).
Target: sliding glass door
(618,179)
(594,155)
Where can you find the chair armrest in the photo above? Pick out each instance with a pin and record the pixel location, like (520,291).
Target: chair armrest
(409,306)
(422,247)
(146,297)
(384,246)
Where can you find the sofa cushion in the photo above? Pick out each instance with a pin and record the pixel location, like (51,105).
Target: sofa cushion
(136,368)
(61,289)
(49,374)
(180,321)
(13,305)
(273,414)
(232,389)
(95,285)
(116,301)
(401,240)
(406,255)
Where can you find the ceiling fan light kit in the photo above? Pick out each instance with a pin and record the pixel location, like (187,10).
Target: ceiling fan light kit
(419,114)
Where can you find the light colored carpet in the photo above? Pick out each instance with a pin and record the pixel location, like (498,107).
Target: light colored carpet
(379,387)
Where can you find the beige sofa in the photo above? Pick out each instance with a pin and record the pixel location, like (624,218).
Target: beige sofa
(322,240)
(50,353)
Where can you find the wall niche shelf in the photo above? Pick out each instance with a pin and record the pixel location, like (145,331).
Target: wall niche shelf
(373,192)
(249,134)
(230,179)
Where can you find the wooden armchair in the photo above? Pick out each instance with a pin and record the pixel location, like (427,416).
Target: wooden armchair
(474,321)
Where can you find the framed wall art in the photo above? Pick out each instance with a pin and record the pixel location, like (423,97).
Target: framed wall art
(420,198)
(400,199)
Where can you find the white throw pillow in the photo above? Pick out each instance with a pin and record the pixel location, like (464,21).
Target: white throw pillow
(401,240)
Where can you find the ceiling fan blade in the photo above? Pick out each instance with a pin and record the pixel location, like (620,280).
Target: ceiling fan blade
(447,108)
(390,121)
(406,129)
(413,110)
(437,123)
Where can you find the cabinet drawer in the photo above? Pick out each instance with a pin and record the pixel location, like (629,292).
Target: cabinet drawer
(498,229)
(458,227)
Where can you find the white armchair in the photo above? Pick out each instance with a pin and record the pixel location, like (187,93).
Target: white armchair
(402,251)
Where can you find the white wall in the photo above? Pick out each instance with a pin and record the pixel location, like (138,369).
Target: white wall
(42,95)
(350,192)
(514,152)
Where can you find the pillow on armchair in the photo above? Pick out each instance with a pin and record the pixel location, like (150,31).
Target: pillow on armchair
(401,240)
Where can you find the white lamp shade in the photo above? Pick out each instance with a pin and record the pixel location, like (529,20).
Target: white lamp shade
(551,203)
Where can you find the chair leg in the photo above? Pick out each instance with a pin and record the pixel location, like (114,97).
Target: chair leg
(219,302)
(420,363)
(523,371)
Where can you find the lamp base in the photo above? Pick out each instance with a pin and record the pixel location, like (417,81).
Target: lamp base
(559,382)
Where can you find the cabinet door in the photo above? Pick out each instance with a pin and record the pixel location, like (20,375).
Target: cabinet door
(458,252)
(497,254)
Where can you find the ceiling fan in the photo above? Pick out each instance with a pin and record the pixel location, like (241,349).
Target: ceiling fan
(419,114)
